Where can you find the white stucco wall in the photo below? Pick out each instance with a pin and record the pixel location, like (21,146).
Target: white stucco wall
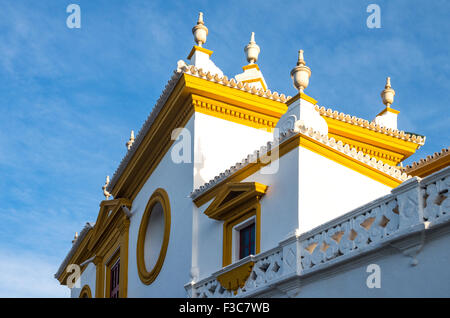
(328,189)
(429,278)
(219,144)
(177,181)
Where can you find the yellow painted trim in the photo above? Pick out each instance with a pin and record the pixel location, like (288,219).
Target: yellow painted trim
(385,155)
(375,141)
(85,292)
(236,278)
(112,257)
(233,96)
(428,168)
(201,49)
(234,114)
(250,66)
(176,112)
(226,210)
(110,233)
(302,96)
(160,195)
(348,161)
(254,80)
(389,109)
(99,277)
(311,144)
(242,213)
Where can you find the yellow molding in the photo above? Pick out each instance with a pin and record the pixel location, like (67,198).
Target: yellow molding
(201,49)
(389,109)
(390,145)
(242,212)
(223,208)
(250,66)
(148,277)
(233,96)
(311,144)
(234,114)
(111,257)
(85,292)
(348,161)
(302,96)
(254,80)
(80,255)
(176,112)
(236,278)
(387,156)
(429,168)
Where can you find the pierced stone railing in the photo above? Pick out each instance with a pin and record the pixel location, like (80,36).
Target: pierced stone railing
(414,206)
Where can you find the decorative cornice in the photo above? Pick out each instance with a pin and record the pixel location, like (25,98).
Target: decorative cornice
(400,134)
(235,114)
(88,227)
(196,72)
(430,164)
(339,146)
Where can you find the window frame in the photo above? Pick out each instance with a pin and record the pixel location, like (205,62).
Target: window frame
(237,236)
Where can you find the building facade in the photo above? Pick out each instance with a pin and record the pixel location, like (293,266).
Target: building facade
(231,190)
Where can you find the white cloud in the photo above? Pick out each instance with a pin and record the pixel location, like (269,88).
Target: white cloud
(23,274)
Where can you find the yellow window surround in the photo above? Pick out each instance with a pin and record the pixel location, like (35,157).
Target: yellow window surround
(147,277)
(237,202)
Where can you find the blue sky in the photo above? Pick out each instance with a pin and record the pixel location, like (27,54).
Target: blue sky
(69,97)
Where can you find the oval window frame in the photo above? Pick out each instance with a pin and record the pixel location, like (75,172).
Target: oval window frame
(148,277)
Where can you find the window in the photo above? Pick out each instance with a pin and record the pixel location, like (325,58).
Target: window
(153,236)
(247,241)
(115,278)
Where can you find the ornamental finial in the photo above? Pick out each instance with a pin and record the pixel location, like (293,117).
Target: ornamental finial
(200,31)
(130,142)
(388,93)
(252,50)
(106,193)
(75,237)
(301,73)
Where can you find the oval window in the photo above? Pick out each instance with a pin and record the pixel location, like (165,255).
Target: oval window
(153,237)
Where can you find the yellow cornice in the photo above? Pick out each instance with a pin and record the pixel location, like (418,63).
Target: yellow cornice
(201,49)
(302,96)
(80,255)
(234,114)
(309,143)
(427,168)
(254,80)
(187,97)
(250,66)
(389,109)
(223,210)
(234,96)
(394,148)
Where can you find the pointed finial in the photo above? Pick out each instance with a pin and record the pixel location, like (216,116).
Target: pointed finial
(130,142)
(301,73)
(200,31)
(106,193)
(252,50)
(75,237)
(301,59)
(387,95)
